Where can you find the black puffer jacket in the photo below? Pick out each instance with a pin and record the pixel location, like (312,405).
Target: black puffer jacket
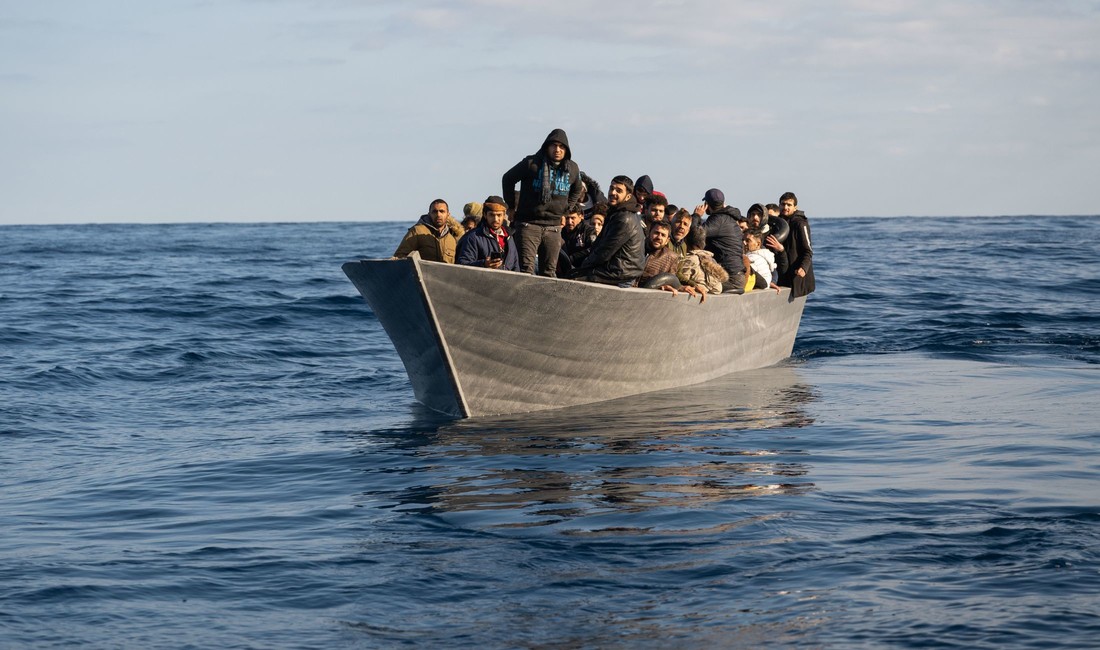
(724,239)
(565,185)
(800,255)
(618,256)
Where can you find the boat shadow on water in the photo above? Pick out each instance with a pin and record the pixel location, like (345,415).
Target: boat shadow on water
(592,469)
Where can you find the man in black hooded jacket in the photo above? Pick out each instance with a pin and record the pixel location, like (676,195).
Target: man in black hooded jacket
(724,238)
(618,256)
(550,187)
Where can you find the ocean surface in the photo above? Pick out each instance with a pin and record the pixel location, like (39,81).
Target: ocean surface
(207,441)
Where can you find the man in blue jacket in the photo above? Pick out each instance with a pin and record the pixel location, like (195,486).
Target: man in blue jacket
(489,244)
(550,188)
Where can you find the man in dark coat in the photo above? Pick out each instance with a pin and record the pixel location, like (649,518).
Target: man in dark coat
(799,274)
(618,256)
(489,244)
(724,238)
(550,187)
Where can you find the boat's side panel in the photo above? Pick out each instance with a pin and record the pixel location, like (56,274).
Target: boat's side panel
(393,290)
(524,343)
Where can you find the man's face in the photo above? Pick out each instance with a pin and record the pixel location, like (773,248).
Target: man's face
(617,194)
(787,206)
(744,224)
(573,220)
(658,237)
(439,213)
(773,213)
(681,228)
(555,151)
(493,216)
(752,243)
(640,195)
(656,212)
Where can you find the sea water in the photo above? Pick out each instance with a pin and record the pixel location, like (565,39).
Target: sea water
(207,440)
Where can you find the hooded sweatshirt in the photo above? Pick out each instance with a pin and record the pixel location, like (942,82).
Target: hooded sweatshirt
(547,190)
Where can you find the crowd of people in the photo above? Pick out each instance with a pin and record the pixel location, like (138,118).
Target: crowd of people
(561,224)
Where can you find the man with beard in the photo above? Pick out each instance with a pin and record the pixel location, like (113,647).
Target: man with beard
(660,260)
(550,188)
(799,273)
(435,236)
(724,238)
(617,257)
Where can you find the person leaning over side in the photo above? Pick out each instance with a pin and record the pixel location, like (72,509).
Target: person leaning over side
(799,272)
(618,255)
(549,188)
(435,236)
(490,244)
(724,237)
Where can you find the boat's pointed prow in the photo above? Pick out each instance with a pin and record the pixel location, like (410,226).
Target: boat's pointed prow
(394,290)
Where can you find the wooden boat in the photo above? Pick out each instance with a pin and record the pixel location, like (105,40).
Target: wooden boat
(478,341)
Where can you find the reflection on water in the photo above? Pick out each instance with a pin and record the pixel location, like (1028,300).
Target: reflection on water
(595,468)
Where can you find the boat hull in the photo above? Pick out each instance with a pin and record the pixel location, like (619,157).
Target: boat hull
(479,342)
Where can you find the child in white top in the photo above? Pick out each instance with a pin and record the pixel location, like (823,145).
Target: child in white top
(762,261)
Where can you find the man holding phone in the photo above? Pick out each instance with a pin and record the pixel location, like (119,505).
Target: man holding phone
(490,244)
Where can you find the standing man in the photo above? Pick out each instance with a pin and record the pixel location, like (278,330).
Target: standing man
(435,236)
(618,255)
(550,187)
(724,237)
(799,274)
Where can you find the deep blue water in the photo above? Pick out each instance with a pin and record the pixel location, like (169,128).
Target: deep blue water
(206,440)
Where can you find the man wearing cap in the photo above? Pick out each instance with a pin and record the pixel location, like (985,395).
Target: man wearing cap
(550,188)
(489,244)
(724,238)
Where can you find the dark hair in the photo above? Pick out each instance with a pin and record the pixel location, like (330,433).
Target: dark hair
(624,181)
(757,208)
(657,199)
(432,204)
(771,207)
(663,223)
(600,209)
(671,209)
(754,231)
(789,195)
(697,237)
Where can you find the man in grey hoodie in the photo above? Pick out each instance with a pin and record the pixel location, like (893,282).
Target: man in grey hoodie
(549,188)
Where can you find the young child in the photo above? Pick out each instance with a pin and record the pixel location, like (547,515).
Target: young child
(762,261)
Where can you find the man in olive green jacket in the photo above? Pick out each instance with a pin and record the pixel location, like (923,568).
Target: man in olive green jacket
(435,236)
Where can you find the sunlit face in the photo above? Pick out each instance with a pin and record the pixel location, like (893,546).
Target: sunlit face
(555,151)
(656,212)
(658,237)
(617,194)
(439,213)
(773,213)
(573,220)
(493,216)
(597,223)
(755,218)
(752,243)
(787,206)
(681,228)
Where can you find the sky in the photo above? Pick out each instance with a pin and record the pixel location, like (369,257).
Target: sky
(341,110)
